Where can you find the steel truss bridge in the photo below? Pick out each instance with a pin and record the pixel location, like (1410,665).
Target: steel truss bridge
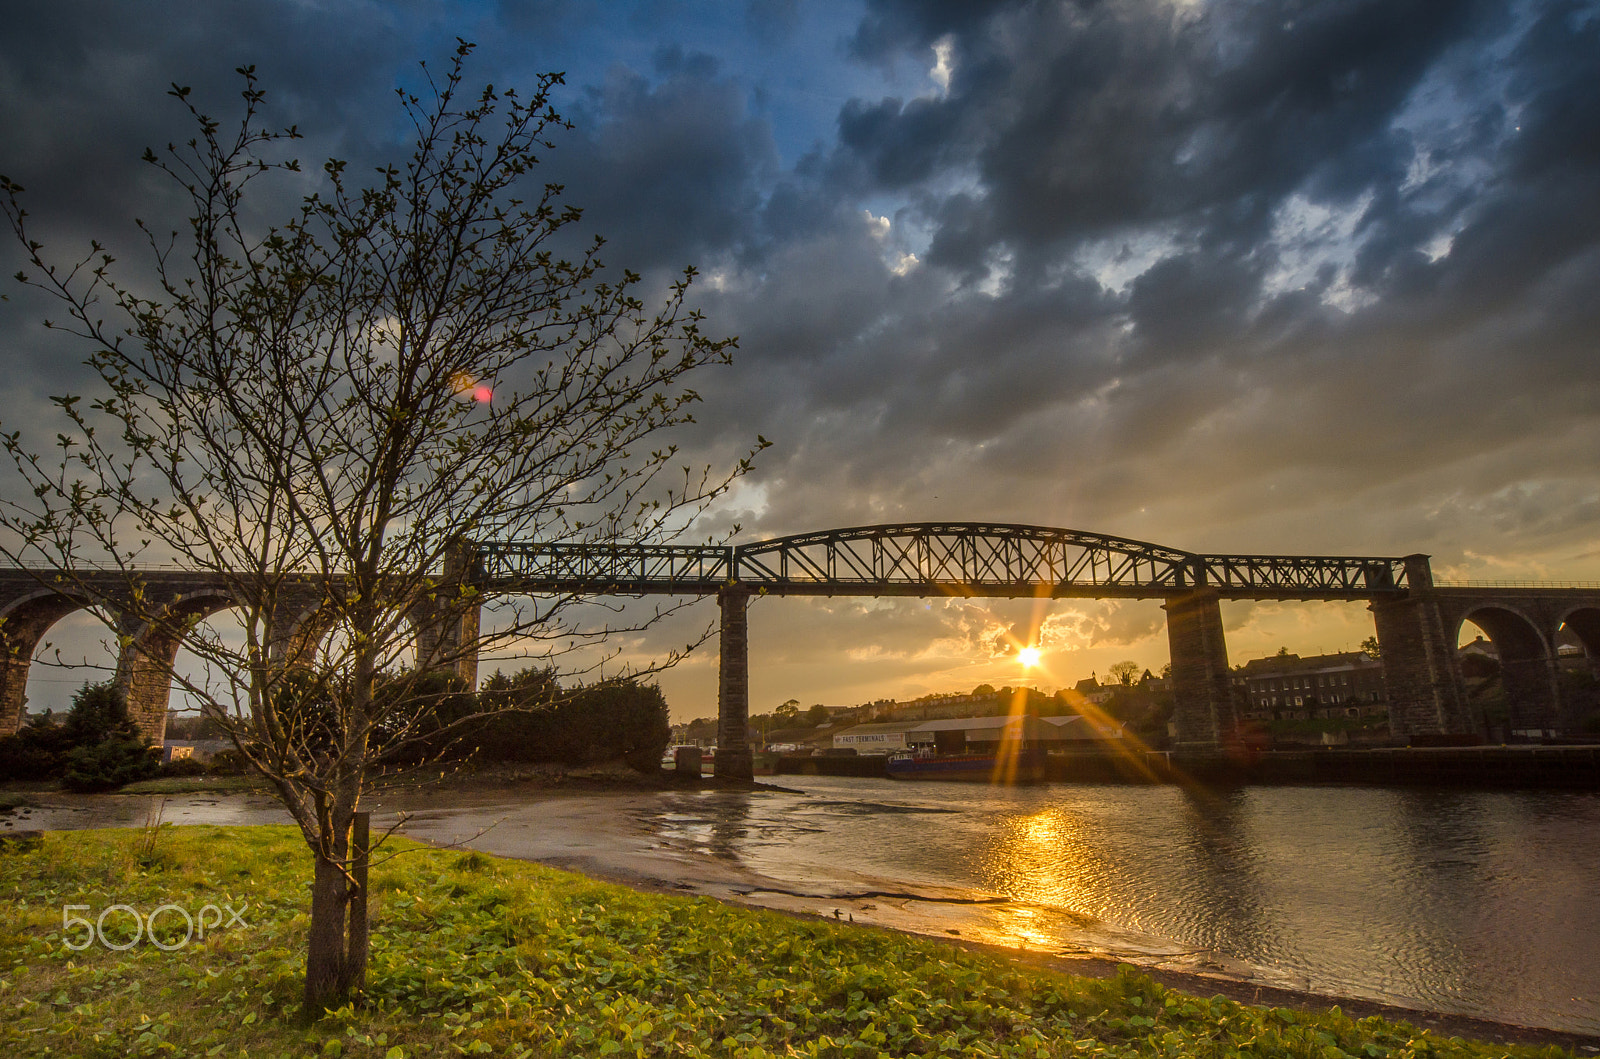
(933,559)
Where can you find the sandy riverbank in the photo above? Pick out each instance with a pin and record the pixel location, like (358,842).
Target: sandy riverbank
(681,840)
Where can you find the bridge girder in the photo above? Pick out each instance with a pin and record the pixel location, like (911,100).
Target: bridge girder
(934,559)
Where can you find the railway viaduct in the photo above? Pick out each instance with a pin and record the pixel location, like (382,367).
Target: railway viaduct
(1417,621)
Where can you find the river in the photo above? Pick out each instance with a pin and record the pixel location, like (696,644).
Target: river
(1466,902)
(1471,902)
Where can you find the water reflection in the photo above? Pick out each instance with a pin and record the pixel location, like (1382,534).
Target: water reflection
(1039,857)
(1476,902)
(716,823)
(1218,894)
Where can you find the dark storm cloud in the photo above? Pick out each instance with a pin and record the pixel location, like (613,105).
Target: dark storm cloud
(87,87)
(1343,265)
(1084,118)
(891,26)
(670,170)
(91,79)
(898,143)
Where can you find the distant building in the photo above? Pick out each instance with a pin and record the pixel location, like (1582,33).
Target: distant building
(879,738)
(1078,728)
(1570,656)
(1286,686)
(1481,658)
(1095,692)
(198,749)
(978,735)
(975,734)
(797,738)
(935,707)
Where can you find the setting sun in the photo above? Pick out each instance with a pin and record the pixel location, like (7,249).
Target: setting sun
(1028,656)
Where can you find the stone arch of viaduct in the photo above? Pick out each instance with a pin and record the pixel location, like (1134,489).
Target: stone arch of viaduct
(149,616)
(1417,622)
(1422,675)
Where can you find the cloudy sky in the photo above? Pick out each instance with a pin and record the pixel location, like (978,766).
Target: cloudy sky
(1271,276)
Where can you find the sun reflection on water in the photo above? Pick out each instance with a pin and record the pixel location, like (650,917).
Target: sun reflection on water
(1045,858)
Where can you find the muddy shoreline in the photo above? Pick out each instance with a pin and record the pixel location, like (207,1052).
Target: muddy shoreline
(612,830)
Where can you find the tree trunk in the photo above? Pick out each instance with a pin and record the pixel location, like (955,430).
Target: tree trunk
(326,952)
(355,965)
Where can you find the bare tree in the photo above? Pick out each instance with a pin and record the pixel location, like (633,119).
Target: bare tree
(324,413)
(1124,672)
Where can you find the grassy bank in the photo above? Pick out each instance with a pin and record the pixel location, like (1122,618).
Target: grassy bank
(477,955)
(194,785)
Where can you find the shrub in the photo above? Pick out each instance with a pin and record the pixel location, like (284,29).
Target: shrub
(227,763)
(183,766)
(601,722)
(37,752)
(109,764)
(96,748)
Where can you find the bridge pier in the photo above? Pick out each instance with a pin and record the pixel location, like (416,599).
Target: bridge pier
(1422,679)
(144,675)
(1207,714)
(733,685)
(450,619)
(1533,694)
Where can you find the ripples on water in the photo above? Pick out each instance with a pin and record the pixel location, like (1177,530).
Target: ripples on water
(1483,903)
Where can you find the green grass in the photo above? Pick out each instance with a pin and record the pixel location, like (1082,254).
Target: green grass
(193,784)
(477,955)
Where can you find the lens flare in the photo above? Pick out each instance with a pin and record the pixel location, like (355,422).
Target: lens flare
(468,386)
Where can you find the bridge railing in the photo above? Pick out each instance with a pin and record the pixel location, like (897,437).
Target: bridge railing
(1584,585)
(598,567)
(1297,573)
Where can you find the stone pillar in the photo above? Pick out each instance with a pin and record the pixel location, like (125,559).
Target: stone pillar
(1533,692)
(1578,703)
(297,618)
(151,638)
(1421,679)
(448,625)
(13,685)
(733,686)
(1202,687)
(144,674)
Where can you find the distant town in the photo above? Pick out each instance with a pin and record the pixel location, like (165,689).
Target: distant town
(1284,700)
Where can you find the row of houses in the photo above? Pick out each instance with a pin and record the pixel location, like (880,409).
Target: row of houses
(1347,684)
(1286,686)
